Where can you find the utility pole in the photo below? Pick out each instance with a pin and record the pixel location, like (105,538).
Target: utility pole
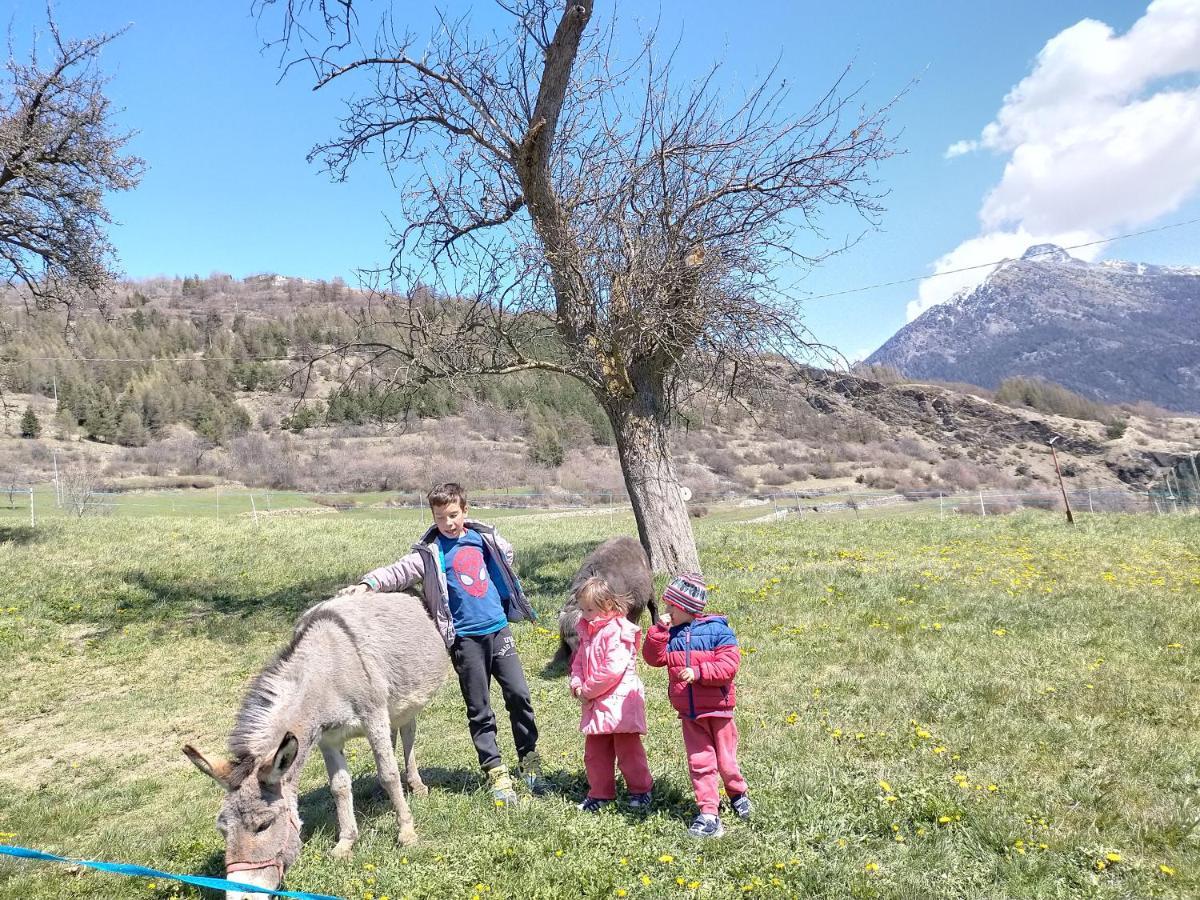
(57,484)
(1061,486)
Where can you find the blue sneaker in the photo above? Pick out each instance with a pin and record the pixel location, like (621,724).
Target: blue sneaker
(742,806)
(640,802)
(593,805)
(706,826)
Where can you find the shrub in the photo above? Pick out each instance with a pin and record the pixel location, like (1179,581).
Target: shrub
(545,447)
(1115,430)
(1048,397)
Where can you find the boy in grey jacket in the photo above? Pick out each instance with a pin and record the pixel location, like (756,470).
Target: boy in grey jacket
(471,592)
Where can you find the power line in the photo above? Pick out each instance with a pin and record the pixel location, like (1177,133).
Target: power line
(871,287)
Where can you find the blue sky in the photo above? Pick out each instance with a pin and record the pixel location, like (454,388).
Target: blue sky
(228,188)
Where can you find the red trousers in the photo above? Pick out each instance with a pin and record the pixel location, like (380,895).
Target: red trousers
(711,744)
(601,751)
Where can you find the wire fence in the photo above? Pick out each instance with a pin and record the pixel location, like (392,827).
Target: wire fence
(33,503)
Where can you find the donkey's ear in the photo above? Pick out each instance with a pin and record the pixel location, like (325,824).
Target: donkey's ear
(274,771)
(218,770)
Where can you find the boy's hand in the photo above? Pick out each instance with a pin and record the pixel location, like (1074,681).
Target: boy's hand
(351,590)
(687,676)
(665,620)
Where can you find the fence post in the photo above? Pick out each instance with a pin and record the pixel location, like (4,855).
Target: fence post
(941,505)
(32,520)
(253,508)
(1090,508)
(982,508)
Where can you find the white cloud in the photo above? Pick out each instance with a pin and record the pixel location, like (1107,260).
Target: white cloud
(1102,136)
(958,148)
(972,255)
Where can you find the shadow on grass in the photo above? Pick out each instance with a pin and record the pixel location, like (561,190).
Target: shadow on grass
(539,565)
(212,606)
(19,535)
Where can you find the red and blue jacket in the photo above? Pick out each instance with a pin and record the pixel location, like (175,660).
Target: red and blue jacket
(708,647)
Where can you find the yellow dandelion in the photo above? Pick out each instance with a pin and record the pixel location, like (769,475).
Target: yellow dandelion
(666,858)
(1113,857)
(943,820)
(621,892)
(1165,869)
(645,879)
(871,867)
(885,786)
(692,885)
(1101,865)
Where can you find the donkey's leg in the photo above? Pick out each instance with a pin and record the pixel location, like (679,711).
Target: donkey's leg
(412,775)
(339,786)
(379,734)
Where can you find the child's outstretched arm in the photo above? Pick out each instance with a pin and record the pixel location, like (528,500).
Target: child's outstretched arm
(403,573)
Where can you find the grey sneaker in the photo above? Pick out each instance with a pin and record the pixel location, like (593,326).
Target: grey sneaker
(531,773)
(593,805)
(706,826)
(742,806)
(640,802)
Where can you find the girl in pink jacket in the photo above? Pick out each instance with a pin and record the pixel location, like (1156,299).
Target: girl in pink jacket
(604,677)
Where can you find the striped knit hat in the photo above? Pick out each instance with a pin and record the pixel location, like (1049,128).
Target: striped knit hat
(688,592)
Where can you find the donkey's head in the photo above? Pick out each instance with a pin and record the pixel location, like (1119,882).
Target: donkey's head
(260,817)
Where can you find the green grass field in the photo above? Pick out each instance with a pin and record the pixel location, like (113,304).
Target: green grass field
(958,707)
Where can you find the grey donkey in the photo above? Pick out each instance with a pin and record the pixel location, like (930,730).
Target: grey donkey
(621,562)
(365,664)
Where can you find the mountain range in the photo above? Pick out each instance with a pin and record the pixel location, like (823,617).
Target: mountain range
(1118,332)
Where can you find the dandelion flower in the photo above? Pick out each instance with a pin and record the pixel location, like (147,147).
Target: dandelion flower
(1113,857)
(1165,869)
(666,858)
(887,787)
(871,867)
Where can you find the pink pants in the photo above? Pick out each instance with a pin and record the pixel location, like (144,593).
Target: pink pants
(601,751)
(711,744)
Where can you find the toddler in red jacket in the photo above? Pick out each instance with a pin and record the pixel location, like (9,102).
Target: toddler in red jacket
(701,655)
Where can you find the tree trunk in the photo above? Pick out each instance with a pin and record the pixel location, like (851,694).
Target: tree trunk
(644,446)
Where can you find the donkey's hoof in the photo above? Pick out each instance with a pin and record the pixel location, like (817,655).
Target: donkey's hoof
(342,850)
(419,789)
(406,837)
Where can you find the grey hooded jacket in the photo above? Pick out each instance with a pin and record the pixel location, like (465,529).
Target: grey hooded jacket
(424,565)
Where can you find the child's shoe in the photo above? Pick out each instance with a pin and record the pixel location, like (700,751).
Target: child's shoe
(742,806)
(640,802)
(593,805)
(531,773)
(706,826)
(501,786)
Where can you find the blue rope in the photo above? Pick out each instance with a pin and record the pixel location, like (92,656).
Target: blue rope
(216,884)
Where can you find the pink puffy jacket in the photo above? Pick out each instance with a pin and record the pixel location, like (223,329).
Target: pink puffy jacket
(605,672)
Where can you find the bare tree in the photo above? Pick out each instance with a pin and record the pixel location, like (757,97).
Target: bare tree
(572,214)
(59,155)
(79,486)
